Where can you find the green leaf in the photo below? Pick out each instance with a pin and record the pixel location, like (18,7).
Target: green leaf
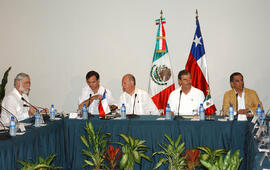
(160,162)
(89,163)
(136,156)
(83,139)
(124,161)
(169,139)
(124,137)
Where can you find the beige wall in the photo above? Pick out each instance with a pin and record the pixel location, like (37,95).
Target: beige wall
(58,41)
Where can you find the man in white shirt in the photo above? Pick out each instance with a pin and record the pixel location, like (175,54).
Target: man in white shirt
(143,104)
(92,94)
(13,101)
(190,97)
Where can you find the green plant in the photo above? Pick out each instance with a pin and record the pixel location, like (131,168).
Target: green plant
(210,155)
(95,145)
(3,84)
(229,163)
(192,158)
(133,150)
(172,153)
(42,164)
(112,156)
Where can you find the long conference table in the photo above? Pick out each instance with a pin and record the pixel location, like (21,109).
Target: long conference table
(62,138)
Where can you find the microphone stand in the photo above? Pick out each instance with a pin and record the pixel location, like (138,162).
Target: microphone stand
(236,106)
(89,114)
(6,110)
(133,116)
(44,116)
(178,117)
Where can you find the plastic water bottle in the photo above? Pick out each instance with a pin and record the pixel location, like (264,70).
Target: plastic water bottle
(168,112)
(258,111)
(12,127)
(52,112)
(262,118)
(231,113)
(37,119)
(123,111)
(84,112)
(201,112)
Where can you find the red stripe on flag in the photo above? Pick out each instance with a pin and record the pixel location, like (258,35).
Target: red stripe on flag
(101,110)
(162,97)
(210,110)
(198,79)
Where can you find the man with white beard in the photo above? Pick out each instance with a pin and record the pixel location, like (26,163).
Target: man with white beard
(13,101)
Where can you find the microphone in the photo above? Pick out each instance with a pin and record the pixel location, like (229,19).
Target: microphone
(29,104)
(25,105)
(89,114)
(6,110)
(178,117)
(132,116)
(236,107)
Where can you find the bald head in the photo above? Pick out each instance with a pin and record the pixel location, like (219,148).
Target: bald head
(128,83)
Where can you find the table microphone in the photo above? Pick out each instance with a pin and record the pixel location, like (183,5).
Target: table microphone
(178,117)
(236,105)
(29,104)
(131,116)
(89,114)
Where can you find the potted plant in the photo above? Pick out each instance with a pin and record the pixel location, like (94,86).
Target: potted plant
(210,155)
(3,85)
(95,143)
(172,152)
(133,150)
(112,155)
(42,164)
(229,163)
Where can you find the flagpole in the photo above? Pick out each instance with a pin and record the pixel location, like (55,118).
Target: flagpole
(197,15)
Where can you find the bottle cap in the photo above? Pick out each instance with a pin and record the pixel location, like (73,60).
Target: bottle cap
(230,105)
(37,111)
(168,105)
(84,105)
(52,105)
(259,105)
(123,104)
(12,117)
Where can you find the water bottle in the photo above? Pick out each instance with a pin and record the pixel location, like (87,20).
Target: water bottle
(258,111)
(201,112)
(37,119)
(168,112)
(262,118)
(231,113)
(84,112)
(12,127)
(123,111)
(52,112)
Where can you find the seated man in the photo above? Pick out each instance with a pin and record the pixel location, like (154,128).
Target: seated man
(143,104)
(189,97)
(244,101)
(92,94)
(13,101)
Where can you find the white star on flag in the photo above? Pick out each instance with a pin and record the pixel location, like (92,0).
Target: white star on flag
(197,41)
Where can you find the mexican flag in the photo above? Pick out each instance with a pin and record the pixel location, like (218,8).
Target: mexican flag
(161,77)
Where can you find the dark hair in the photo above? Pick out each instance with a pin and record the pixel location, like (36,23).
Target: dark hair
(132,78)
(235,74)
(183,72)
(92,73)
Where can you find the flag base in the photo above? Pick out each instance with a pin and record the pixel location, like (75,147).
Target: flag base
(132,116)
(178,118)
(90,116)
(209,118)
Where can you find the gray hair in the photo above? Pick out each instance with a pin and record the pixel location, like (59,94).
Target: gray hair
(20,77)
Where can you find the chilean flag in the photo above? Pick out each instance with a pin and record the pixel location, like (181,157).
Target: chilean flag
(196,65)
(161,76)
(103,106)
